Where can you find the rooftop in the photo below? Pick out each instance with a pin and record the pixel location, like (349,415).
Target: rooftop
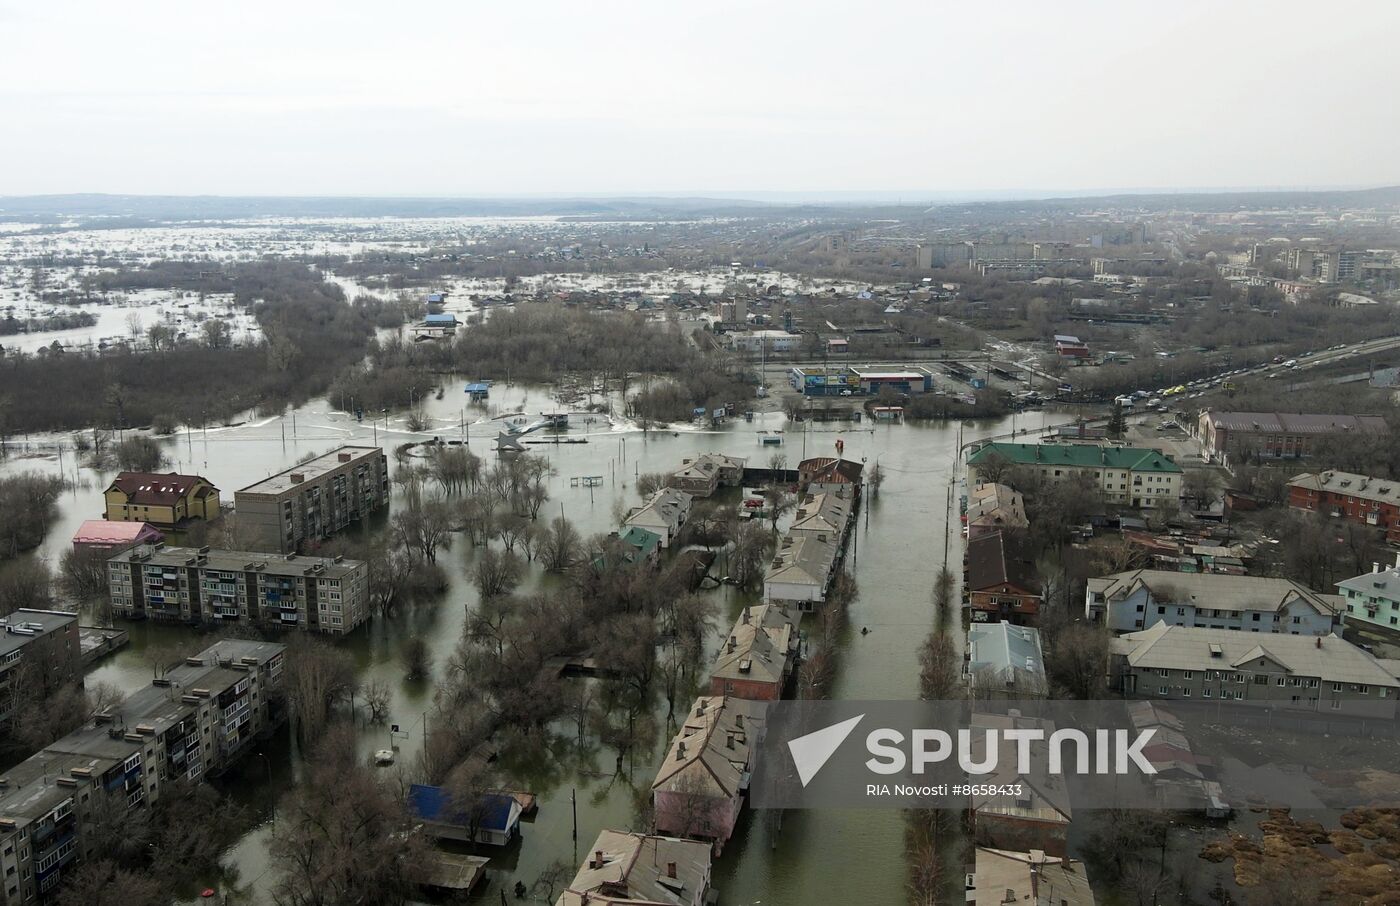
(1007,653)
(1328,658)
(155,489)
(1135,459)
(1217,591)
(102,531)
(239,561)
(760,646)
(999,558)
(1350,484)
(1001,876)
(310,470)
(804,559)
(636,869)
(710,754)
(822,512)
(25,624)
(1295,422)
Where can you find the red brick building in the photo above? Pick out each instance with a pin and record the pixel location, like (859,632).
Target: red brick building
(1346,495)
(1000,579)
(1275,435)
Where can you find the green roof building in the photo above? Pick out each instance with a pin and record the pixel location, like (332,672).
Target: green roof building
(1127,476)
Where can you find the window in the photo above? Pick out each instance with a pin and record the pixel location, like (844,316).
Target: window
(1181,611)
(1186,692)
(1205,692)
(1336,704)
(1164,673)
(1336,687)
(1161,690)
(1188,674)
(1282,681)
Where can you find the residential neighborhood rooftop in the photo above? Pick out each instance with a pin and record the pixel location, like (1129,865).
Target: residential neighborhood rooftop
(759,645)
(630,868)
(310,470)
(710,753)
(239,561)
(1329,658)
(1007,654)
(1295,422)
(1350,484)
(1136,459)
(1217,591)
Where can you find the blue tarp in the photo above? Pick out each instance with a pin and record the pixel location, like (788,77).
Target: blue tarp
(433,803)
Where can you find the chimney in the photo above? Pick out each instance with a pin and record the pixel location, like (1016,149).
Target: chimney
(746,610)
(344,457)
(597,859)
(670,869)
(1375,567)
(733,644)
(1319,641)
(297,478)
(729,740)
(680,751)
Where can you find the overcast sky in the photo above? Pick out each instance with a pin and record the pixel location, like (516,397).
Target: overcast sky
(505,97)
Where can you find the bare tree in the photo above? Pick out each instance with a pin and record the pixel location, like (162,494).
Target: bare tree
(559,545)
(497,573)
(318,677)
(344,836)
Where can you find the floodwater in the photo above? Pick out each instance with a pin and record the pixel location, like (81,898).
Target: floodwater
(900,544)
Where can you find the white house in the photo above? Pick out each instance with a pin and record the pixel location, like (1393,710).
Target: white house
(1373,598)
(802,570)
(663,514)
(1141,598)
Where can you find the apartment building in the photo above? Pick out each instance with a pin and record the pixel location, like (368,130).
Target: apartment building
(39,652)
(1000,579)
(702,476)
(828,513)
(999,877)
(1276,435)
(1127,476)
(1140,599)
(802,571)
(312,501)
(1003,660)
(830,475)
(204,586)
(994,508)
(630,869)
(1347,495)
(196,720)
(663,514)
(760,656)
(1318,673)
(169,501)
(1373,599)
(699,789)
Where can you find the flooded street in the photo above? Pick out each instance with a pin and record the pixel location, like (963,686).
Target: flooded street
(899,547)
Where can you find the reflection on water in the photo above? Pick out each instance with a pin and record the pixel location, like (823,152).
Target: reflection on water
(898,548)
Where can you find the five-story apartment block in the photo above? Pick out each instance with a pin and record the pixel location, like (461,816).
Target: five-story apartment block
(312,501)
(199,585)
